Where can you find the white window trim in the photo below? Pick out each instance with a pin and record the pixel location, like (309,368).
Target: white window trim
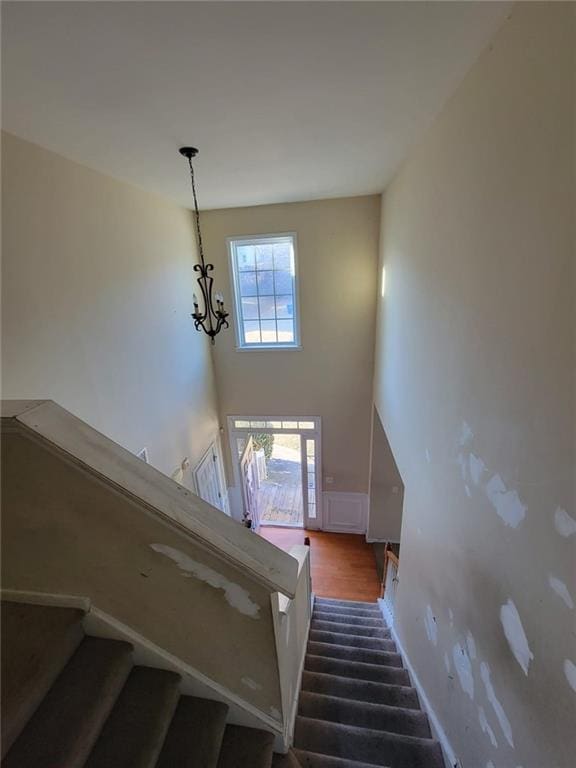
(238,328)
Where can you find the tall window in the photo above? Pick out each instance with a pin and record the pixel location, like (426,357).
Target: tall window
(265,293)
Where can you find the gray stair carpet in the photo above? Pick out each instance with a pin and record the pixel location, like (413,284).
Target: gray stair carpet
(70,701)
(357,706)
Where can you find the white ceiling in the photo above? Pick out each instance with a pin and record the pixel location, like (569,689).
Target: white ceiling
(286,100)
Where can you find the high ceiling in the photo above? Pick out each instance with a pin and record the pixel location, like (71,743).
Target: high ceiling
(286,100)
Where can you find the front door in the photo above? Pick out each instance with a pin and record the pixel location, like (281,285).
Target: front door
(249,480)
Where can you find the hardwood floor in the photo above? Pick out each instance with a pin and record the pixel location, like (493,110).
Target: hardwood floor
(343,565)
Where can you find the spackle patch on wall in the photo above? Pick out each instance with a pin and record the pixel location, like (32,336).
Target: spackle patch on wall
(565,525)
(463,669)
(485,674)
(561,590)
(486,728)
(506,503)
(466,433)
(471,645)
(447,662)
(431,628)
(570,672)
(515,635)
(476,467)
(235,595)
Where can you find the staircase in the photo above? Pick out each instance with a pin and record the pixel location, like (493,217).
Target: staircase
(357,707)
(69,701)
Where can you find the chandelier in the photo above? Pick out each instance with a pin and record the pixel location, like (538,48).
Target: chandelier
(211,320)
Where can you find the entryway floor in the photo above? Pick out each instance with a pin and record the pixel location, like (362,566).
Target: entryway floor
(343,564)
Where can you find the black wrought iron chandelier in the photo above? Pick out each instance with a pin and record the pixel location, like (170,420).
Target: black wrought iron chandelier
(211,320)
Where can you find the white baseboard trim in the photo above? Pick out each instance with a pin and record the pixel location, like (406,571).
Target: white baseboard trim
(344,512)
(438,732)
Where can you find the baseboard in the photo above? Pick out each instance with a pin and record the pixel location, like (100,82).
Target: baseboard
(450,759)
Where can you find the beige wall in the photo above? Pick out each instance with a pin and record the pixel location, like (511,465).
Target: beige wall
(386,488)
(97,286)
(331,375)
(475,386)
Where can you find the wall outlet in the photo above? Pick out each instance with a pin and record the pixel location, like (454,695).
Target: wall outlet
(329,480)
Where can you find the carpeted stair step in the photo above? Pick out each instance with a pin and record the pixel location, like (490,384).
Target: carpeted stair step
(37,642)
(409,722)
(64,728)
(248,747)
(373,613)
(346,618)
(314,760)
(351,653)
(346,603)
(358,670)
(289,760)
(195,734)
(351,629)
(360,690)
(133,735)
(370,746)
(354,641)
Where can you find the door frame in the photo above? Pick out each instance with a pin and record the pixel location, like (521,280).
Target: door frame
(215,450)
(235,431)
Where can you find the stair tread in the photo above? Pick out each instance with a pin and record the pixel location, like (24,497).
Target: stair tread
(351,629)
(289,760)
(67,723)
(315,760)
(134,732)
(346,618)
(353,641)
(371,746)
(246,746)
(359,670)
(195,734)
(374,716)
(360,690)
(351,653)
(336,601)
(37,642)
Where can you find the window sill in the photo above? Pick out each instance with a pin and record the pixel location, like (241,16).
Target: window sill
(270,348)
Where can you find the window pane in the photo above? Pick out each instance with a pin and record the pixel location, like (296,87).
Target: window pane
(283,282)
(283,257)
(306,424)
(265,283)
(268,331)
(257,424)
(311,510)
(310,448)
(241,424)
(311,481)
(275,424)
(247,283)
(264,256)
(267,308)
(251,332)
(289,425)
(245,257)
(284,306)
(250,308)
(286,331)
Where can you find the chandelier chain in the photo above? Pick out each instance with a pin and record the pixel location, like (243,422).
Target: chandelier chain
(196,211)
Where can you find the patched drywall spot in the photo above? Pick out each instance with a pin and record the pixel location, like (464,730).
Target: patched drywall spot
(236,596)
(506,503)
(490,764)
(468,491)
(252,684)
(447,662)
(570,672)
(275,713)
(565,525)
(451,616)
(471,645)
(463,466)
(428,456)
(561,590)
(486,728)
(515,635)
(430,624)
(463,669)
(476,467)
(466,433)
(485,674)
